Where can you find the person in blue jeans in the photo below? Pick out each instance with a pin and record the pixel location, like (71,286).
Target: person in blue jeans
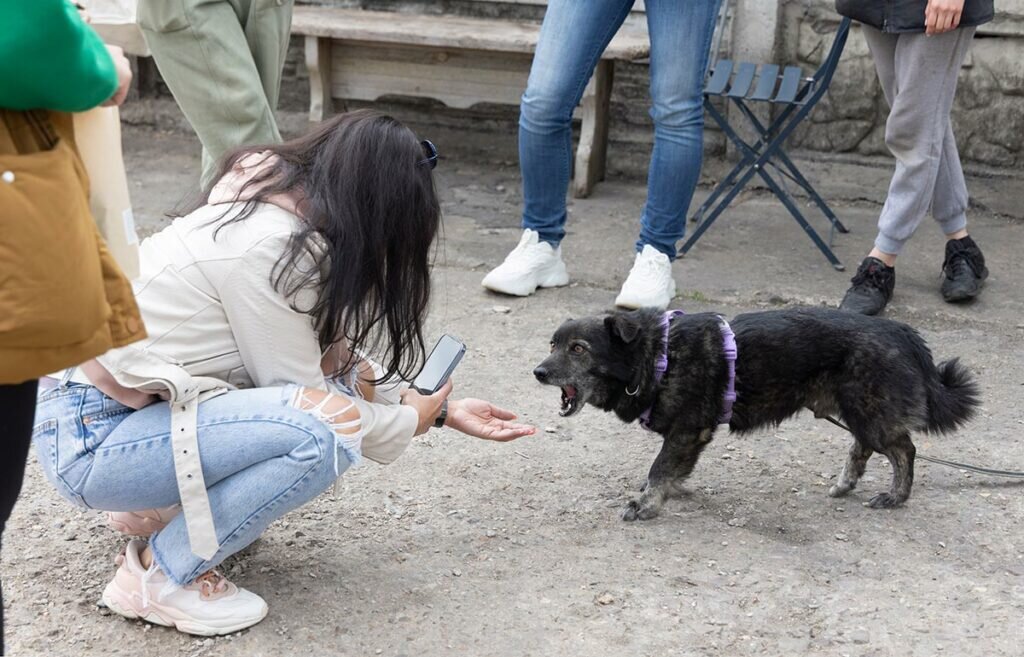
(572,38)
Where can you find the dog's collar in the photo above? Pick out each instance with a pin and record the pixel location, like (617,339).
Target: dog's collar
(661,366)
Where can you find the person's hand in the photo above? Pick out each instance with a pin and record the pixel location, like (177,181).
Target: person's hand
(124,76)
(428,407)
(942,16)
(476,417)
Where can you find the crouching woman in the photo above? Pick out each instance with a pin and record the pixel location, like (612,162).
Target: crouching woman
(251,395)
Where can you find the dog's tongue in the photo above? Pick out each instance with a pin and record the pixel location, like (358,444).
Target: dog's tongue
(570,392)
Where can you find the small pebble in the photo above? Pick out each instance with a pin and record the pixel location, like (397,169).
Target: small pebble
(457,572)
(842,537)
(502,310)
(604,599)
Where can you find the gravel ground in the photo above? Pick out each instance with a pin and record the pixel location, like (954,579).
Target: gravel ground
(469,548)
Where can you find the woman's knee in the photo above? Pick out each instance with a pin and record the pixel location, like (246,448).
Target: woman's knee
(338,416)
(678,113)
(547,103)
(904,141)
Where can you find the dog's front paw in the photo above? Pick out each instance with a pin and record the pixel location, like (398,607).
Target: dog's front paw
(636,510)
(632,511)
(884,501)
(839,491)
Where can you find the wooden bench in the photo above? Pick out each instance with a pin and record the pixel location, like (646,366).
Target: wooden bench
(354,54)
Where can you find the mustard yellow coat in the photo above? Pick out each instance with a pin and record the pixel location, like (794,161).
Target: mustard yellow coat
(63,299)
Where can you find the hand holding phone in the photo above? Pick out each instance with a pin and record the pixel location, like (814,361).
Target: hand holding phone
(440,364)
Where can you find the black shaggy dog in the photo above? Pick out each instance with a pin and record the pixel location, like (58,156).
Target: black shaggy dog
(875,374)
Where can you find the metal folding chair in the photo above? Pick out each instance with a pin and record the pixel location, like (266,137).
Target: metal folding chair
(798,95)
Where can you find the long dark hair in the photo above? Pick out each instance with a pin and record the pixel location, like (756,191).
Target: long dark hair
(370,215)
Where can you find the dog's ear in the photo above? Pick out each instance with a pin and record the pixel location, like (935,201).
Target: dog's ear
(623,326)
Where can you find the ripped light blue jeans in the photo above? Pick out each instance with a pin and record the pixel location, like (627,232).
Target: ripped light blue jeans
(261,457)
(572,38)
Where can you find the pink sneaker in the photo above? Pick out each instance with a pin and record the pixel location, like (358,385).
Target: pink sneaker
(142,523)
(209,606)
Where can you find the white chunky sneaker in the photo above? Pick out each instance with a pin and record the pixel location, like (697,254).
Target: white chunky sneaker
(650,283)
(530,265)
(209,606)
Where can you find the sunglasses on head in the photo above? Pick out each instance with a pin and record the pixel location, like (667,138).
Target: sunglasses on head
(431,152)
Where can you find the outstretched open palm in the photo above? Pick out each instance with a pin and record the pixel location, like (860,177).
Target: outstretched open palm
(482,419)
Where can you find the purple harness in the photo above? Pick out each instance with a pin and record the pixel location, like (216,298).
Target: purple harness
(661,366)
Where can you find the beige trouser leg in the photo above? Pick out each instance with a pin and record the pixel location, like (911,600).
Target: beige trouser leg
(222,60)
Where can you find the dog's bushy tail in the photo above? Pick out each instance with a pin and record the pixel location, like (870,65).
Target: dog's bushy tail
(952,397)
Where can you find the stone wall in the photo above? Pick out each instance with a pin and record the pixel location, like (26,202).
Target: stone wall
(630,127)
(988,115)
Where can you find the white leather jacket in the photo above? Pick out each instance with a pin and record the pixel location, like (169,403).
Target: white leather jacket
(216,322)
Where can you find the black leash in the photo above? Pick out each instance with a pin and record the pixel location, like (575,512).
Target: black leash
(951,464)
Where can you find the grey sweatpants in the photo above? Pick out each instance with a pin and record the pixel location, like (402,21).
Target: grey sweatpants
(918,75)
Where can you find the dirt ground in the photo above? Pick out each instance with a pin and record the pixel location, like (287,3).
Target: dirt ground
(464,547)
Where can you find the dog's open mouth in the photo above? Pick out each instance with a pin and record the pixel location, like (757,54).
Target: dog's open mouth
(570,401)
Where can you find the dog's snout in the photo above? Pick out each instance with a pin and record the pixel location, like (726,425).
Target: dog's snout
(541,373)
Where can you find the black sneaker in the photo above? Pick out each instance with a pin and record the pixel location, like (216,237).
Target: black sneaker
(964,270)
(872,288)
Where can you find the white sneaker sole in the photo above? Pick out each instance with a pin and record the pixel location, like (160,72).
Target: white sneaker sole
(120,602)
(557,277)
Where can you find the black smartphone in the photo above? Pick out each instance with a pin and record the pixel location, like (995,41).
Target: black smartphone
(440,364)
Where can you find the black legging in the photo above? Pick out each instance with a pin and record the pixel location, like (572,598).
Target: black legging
(17,412)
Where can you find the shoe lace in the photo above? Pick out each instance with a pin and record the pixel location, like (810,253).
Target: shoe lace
(873,275)
(211,582)
(528,255)
(649,268)
(958,264)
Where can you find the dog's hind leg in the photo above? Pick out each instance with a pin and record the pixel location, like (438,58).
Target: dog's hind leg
(901,454)
(675,462)
(852,470)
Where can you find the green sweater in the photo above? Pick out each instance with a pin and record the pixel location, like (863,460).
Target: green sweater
(50,59)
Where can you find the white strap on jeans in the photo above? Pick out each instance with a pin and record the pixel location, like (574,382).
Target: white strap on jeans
(188,470)
(142,370)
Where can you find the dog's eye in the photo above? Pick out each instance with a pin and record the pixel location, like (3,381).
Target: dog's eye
(552,347)
(578,349)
